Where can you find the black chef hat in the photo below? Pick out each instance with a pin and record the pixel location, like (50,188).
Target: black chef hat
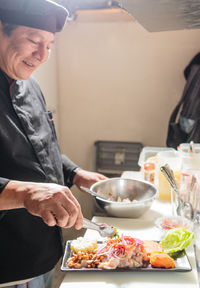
(40,14)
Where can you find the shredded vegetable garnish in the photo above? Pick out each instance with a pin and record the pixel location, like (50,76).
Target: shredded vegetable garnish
(124,251)
(116,236)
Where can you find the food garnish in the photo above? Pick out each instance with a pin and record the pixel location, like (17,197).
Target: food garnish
(116,235)
(161,260)
(176,240)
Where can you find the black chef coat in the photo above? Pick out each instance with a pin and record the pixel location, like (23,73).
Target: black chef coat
(28,152)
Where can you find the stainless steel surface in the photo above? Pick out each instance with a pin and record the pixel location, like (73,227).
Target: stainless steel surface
(103,229)
(153,15)
(142,191)
(164,15)
(191,145)
(91,192)
(73,6)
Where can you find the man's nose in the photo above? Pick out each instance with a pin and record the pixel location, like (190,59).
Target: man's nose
(42,53)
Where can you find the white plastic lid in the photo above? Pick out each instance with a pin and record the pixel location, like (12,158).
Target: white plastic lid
(150,152)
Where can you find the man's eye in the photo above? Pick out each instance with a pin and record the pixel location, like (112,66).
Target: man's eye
(32,41)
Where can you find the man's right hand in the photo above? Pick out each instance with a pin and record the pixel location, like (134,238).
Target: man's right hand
(54,203)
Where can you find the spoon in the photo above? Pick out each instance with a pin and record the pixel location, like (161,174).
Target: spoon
(191,147)
(192,198)
(92,192)
(168,173)
(103,229)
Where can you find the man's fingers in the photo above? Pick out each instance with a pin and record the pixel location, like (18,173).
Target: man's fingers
(55,204)
(73,210)
(62,216)
(48,218)
(79,222)
(72,198)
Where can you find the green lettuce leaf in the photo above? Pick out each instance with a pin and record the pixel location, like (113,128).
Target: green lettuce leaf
(176,240)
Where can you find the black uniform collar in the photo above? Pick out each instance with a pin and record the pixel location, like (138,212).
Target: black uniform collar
(3,75)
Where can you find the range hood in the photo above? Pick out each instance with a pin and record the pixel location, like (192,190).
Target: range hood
(153,15)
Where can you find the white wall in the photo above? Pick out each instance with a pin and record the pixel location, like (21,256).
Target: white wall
(118,82)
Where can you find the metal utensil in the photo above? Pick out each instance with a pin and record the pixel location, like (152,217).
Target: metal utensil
(191,147)
(168,173)
(192,198)
(91,192)
(103,229)
(140,193)
(182,205)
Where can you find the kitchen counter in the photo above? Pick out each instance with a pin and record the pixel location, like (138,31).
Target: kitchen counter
(143,228)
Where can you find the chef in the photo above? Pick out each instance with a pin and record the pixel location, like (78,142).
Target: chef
(35,199)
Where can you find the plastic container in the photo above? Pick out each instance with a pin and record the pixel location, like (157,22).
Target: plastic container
(170,222)
(148,161)
(190,166)
(148,152)
(185,147)
(173,159)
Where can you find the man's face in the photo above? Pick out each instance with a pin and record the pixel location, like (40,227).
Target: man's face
(24,51)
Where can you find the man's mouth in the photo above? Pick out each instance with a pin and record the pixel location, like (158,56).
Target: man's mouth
(28,64)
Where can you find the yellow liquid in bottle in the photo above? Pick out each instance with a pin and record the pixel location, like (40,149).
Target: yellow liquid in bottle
(164,188)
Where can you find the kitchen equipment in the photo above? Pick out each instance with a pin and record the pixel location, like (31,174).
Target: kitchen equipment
(183,207)
(114,157)
(165,223)
(149,152)
(153,15)
(139,196)
(91,192)
(174,160)
(103,229)
(148,161)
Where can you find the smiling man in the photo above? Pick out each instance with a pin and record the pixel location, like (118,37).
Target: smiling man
(35,199)
(24,51)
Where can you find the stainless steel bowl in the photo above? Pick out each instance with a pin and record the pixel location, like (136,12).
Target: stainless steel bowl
(143,192)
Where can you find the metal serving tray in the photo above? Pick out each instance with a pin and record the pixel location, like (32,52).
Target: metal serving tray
(181,265)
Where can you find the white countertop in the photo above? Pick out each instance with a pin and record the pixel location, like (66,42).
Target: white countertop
(143,228)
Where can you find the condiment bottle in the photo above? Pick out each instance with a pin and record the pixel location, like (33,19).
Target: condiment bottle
(149,172)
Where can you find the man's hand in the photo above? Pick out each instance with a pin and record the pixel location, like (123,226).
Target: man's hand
(54,203)
(86,178)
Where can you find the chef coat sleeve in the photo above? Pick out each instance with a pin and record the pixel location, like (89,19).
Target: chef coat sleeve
(3,183)
(68,170)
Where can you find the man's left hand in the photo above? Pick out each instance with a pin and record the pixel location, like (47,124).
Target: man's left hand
(87,178)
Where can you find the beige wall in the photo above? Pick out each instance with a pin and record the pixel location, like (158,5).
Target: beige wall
(118,82)
(114,81)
